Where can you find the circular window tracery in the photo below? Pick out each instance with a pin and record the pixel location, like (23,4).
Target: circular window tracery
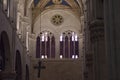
(57,19)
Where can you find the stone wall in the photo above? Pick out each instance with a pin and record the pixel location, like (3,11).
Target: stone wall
(58,70)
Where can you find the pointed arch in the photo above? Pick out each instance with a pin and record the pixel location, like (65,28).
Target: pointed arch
(4,51)
(18,66)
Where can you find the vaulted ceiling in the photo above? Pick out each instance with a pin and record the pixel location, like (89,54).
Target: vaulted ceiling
(38,6)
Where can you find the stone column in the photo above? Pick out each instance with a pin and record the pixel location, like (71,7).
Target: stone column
(88,74)
(57,48)
(112,31)
(97,40)
(11,10)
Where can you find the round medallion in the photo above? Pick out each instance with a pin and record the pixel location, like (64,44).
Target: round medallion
(57,1)
(57,19)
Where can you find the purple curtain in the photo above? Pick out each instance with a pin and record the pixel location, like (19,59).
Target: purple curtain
(66,47)
(48,47)
(53,47)
(38,47)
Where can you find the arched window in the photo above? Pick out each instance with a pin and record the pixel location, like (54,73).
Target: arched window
(4,51)
(38,47)
(2,55)
(69,45)
(45,45)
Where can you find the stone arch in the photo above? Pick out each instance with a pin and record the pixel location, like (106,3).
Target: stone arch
(27,73)
(18,66)
(4,52)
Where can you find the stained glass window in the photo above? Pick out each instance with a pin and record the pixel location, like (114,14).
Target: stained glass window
(45,45)
(69,45)
(38,47)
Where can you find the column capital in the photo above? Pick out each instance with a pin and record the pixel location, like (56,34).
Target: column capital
(96,30)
